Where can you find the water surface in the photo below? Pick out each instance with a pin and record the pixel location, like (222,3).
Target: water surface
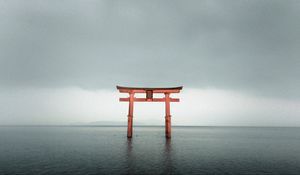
(192,150)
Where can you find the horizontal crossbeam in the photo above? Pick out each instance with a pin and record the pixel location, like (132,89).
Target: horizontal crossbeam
(149,100)
(144,91)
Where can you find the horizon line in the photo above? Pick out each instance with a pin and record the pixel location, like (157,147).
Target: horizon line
(87,125)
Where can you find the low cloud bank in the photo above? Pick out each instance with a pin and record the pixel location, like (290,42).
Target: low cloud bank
(209,107)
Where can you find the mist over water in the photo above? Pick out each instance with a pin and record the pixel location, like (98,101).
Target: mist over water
(192,150)
(60,62)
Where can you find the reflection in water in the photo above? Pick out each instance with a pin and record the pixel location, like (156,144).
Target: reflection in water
(168,166)
(129,145)
(163,165)
(105,150)
(129,160)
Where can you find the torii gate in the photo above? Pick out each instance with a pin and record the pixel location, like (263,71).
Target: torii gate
(149,98)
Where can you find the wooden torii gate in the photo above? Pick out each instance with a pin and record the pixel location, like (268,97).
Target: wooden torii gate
(149,98)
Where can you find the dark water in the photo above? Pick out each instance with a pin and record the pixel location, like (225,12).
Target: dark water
(106,150)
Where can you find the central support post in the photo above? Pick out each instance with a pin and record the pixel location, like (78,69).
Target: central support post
(130,115)
(168,116)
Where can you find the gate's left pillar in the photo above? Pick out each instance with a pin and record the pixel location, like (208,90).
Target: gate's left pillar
(130,115)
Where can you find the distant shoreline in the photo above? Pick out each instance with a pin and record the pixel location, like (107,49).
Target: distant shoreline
(150,126)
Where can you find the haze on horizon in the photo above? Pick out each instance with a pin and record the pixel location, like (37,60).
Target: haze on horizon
(237,60)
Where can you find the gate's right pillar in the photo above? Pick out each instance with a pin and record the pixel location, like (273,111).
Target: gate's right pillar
(168,116)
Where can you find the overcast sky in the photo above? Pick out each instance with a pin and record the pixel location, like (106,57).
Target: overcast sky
(239,61)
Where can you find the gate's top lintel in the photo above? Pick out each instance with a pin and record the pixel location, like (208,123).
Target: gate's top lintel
(154,89)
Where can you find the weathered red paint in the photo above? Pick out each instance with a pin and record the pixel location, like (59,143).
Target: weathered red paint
(149,98)
(168,116)
(130,115)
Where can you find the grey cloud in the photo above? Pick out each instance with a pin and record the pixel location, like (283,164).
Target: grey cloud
(241,45)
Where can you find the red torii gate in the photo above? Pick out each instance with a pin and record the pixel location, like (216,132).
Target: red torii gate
(149,98)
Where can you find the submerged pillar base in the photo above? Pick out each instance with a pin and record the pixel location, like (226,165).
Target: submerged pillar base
(129,126)
(168,126)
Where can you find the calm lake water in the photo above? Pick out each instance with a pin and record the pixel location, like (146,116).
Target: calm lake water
(192,150)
